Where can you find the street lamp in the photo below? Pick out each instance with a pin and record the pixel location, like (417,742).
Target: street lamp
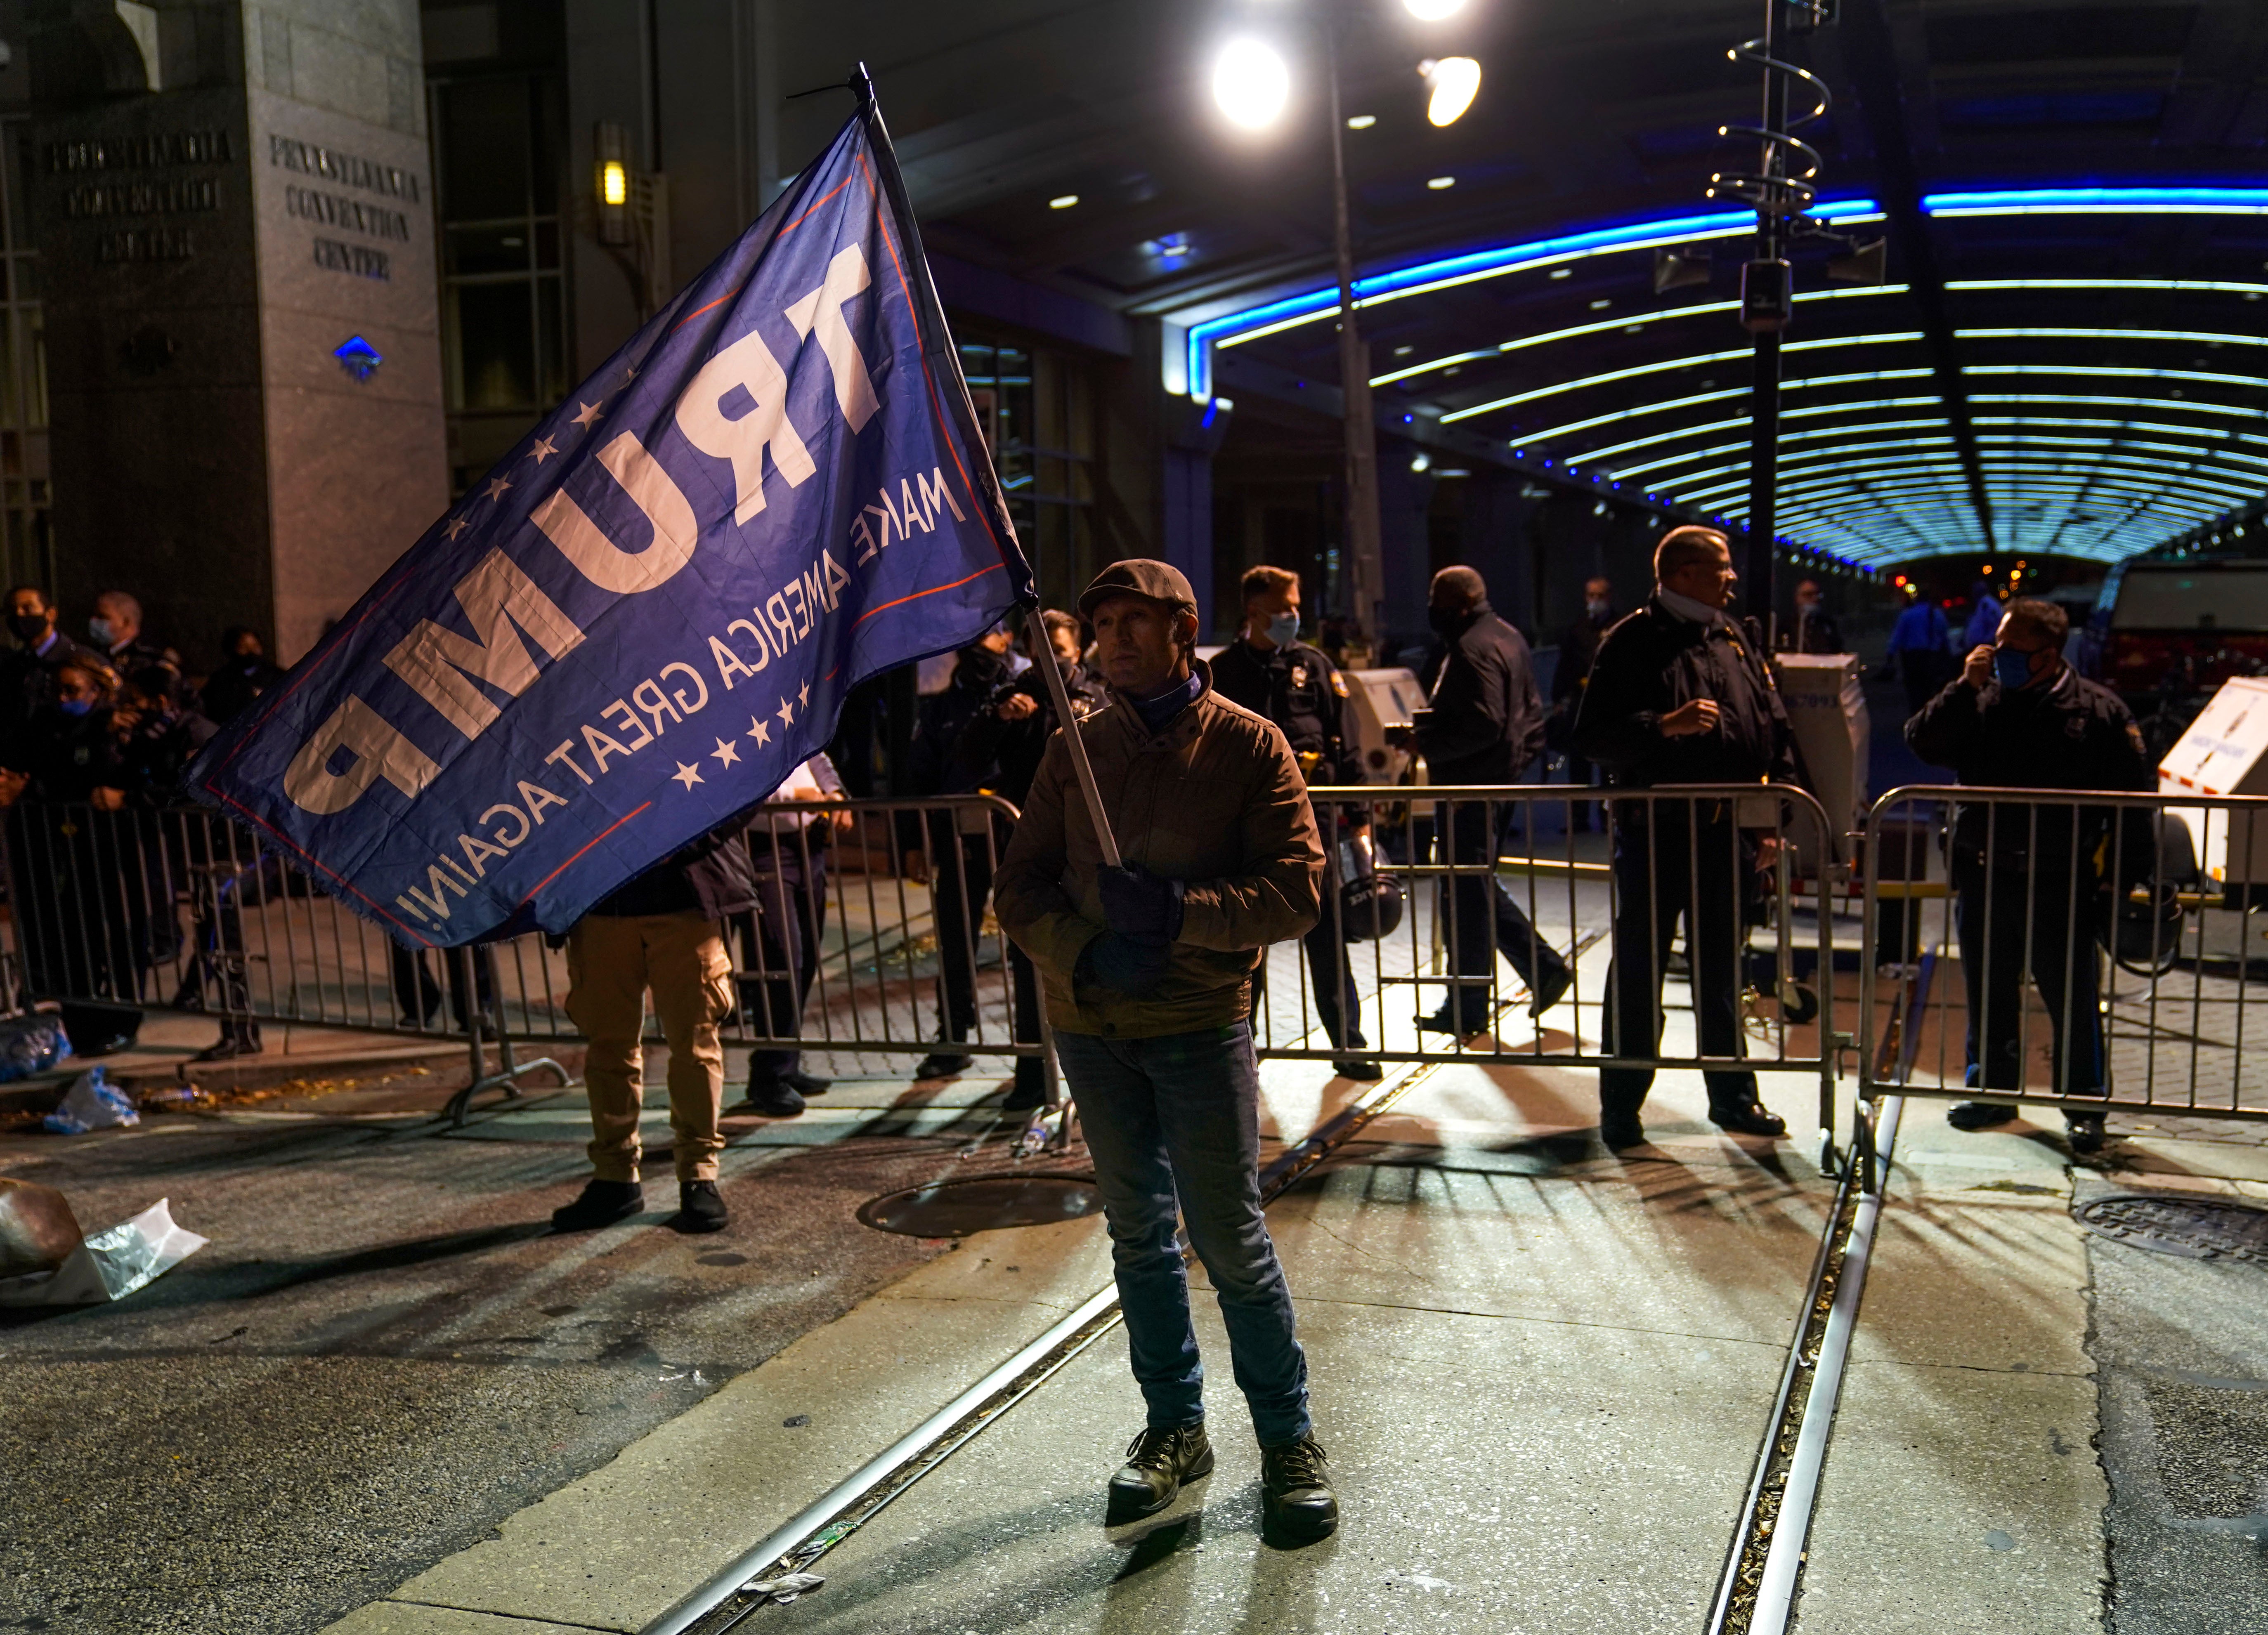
(1252,86)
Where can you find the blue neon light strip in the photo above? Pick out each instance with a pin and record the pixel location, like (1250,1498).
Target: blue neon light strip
(2101,202)
(1479,263)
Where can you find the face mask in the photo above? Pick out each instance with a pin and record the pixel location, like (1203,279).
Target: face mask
(1284,628)
(29,627)
(1596,607)
(1445,621)
(2012,669)
(100,630)
(74,706)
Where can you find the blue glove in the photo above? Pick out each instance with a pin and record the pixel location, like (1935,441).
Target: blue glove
(1121,965)
(1139,904)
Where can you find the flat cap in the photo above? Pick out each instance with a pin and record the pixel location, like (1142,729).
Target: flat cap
(1138,576)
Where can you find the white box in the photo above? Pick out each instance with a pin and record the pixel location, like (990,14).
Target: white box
(2225,752)
(1827,707)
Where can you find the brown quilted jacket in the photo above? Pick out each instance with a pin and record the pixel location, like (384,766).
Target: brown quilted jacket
(1215,798)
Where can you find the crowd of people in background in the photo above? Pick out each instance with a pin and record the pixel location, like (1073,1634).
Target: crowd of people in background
(97,732)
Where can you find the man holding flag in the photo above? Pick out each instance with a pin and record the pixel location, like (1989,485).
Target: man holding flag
(637,626)
(1147,955)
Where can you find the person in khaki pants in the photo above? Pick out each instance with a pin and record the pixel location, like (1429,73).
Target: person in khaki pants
(664,932)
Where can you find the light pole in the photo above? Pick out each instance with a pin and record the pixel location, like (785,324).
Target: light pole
(1365,550)
(1251,86)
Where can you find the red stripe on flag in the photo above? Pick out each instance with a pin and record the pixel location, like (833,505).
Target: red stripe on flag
(578,857)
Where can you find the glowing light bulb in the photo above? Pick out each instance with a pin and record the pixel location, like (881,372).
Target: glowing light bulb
(1250,84)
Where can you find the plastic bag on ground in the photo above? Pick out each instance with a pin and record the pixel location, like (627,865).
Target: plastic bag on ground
(110,1266)
(93,1102)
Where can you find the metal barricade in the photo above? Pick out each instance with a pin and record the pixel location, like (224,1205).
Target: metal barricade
(2071,949)
(871,937)
(1428,886)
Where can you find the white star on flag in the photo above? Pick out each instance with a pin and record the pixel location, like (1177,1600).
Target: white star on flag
(497,486)
(786,713)
(758,731)
(455,525)
(590,417)
(543,450)
(803,693)
(726,751)
(686,775)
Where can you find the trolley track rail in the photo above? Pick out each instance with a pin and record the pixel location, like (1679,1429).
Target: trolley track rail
(799,1545)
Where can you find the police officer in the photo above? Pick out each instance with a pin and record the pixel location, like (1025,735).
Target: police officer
(1680,695)
(1269,671)
(1812,629)
(955,753)
(2025,877)
(1484,724)
(1579,651)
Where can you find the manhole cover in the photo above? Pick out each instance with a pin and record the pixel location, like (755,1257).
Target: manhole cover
(2204,1228)
(953,1209)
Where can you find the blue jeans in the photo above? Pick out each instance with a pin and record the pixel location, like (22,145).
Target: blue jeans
(1179,1117)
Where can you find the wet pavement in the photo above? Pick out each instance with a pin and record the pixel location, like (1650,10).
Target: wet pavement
(382,1355)
(384,1400)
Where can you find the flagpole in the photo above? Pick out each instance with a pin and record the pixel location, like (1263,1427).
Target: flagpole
(861,86)
(1043,653)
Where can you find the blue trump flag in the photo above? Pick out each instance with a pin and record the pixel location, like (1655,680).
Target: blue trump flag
(650,612)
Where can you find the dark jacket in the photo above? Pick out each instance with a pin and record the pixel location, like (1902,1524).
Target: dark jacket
(1297,687)
(235,686)
(72,756)
(1213,798)
(1579,651)
(1653,662)
(945,760)
(2074,734)
(27,685)
(1003,756)
(710,877)
(1814,633)
(158,751)
(1487,718)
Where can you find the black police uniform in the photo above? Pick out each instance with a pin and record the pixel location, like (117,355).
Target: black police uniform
(1684,858)
(1484,725)
(2026,878)
(956,752)
(1297,687)
(1579,651)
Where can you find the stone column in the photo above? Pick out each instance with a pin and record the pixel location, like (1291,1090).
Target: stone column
(235,215)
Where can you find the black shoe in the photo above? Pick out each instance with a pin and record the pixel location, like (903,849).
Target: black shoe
(230,1047)
(1446,1021)
(1754,1119)
(1157,1462)
(807,1084)
(1979,1114)
(941,1065)
(2085,1131)
(699,1207)
(1550,990)
(603,1202)
(1362,1070)
(773,1098)
(1621,1130)
(1296,1499)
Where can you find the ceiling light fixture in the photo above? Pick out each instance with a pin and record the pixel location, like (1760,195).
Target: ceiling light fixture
(1250,84)
(1063,200)
(1454,81)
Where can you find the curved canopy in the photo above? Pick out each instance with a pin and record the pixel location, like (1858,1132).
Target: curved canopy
(2067,354)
